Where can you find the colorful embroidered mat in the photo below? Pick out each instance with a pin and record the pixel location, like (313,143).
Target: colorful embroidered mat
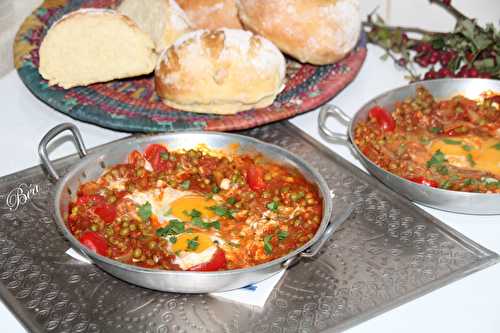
(132,105)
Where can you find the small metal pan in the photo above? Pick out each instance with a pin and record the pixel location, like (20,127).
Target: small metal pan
(92,165)
(453,201)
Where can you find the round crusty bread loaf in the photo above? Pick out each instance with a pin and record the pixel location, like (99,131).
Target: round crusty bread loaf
(315,31)
(94,45)
(221,71)
(211,14)
(163,20)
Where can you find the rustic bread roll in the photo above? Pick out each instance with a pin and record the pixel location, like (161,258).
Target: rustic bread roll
(314,31)
(94,45)
(163,20)
(211,14)
(222,71)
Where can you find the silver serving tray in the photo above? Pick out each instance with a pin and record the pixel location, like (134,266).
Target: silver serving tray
(454,201)
(388,253)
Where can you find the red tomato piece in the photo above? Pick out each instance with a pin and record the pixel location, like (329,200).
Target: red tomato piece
(153,154)
(424,181)
(255,178)
(90,200)
(217,262)
(94,241)
(383,118)
(106,212)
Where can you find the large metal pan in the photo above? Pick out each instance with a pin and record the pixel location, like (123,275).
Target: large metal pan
(91,166)
(454,201)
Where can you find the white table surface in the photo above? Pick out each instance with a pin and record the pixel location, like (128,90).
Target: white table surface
(468,305)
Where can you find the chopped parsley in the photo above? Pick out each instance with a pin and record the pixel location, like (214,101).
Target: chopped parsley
(231,200)
(192,244)
(145,211)
(470,160)
(198,222)
(496,146)
(193,213)
(174,227)
(272,206)
(435,130)
(469,181)
(467,147)
(442,169)
(164,156)
(222,211)
(452,142)
(437,159)
(446,184)
(185,185)
(282,235)
(215,189)
(172,239)
(267,245)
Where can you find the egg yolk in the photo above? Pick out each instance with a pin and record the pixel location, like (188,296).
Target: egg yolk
(470,152)
(192,242)
(186,204)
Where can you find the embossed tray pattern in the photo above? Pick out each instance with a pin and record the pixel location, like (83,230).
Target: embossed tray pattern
(387,253)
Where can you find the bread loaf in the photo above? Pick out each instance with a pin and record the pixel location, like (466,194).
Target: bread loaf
(163,20)
(222,71)
(211,14)
(314,31)
(94,45)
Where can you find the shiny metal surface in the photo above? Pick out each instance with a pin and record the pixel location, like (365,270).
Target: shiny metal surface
(454,201)
(387,253)
(93,165)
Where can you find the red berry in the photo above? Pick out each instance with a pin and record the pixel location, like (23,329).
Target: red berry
(447,2)
(404,37)
(430,75)
(445,72)
(485,75)
(469,56)
(434,57)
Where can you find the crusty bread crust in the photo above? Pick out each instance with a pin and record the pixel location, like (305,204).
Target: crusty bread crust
(222,71)
(163,20)
(314,31)
(211,14)
(79,49)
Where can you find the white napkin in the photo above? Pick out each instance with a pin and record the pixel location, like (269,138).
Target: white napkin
(255,294)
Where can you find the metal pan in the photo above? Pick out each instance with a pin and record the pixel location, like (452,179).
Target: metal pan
(454,201)
(91,166)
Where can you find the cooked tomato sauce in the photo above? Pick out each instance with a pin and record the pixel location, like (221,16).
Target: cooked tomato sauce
(451,144)
(195,210)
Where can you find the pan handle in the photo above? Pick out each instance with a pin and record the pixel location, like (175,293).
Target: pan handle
(333,111)
(316,247)
(42,147)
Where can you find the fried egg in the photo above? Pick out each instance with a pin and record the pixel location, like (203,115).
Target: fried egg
(471,152)
(193,249)
(168,203)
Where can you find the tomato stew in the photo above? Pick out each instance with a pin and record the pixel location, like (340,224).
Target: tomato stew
(452,144)
(196,210)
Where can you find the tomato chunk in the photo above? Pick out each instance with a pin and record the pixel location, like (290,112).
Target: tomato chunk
(255,178)
(217,262)
(106,212)
(424,181)
(157,155)
(91,200)
(383,118)
(95,242)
